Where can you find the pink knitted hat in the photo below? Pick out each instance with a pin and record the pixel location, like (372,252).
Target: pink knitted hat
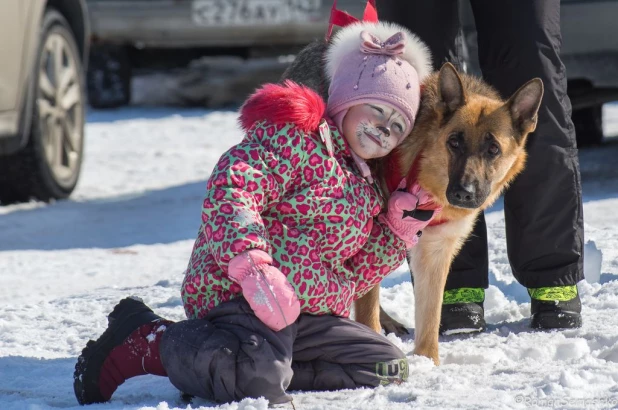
(376,63)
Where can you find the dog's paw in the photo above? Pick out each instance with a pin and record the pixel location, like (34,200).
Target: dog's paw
(395,327)
(430,352)
(390,325)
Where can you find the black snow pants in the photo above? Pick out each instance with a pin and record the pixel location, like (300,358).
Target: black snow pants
(231,354)
(517,41)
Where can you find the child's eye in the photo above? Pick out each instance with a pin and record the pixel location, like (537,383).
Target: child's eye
(378,109)
(398,127)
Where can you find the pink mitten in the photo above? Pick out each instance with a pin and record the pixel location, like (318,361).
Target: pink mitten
(403,216)
(266,288)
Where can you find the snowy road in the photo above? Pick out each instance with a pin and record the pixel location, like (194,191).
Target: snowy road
(129,227)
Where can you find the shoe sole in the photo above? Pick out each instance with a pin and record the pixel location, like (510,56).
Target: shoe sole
(551,320)
(128,315)
(461,331)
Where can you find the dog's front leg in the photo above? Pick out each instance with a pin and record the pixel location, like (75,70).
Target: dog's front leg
(430,261)
(369,312)
(367,309)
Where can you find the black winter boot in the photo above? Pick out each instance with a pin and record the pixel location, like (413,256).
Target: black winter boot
(462,311)
(555,308)
(129,347)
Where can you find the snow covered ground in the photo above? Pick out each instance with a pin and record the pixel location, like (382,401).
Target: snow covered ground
(129,227)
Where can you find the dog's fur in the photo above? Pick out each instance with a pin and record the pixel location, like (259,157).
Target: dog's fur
(461,122)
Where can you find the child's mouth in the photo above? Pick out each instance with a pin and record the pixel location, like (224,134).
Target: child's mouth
(374,138)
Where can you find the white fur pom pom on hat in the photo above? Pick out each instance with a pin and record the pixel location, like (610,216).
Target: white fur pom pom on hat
(347,40)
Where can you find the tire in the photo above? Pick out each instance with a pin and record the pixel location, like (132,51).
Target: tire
(109,77)
(48,167)
(588,124)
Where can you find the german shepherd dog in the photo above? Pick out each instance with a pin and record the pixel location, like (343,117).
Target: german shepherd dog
(466,146)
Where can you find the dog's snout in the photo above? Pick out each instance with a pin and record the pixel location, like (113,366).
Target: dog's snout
(463,195)
(469,187)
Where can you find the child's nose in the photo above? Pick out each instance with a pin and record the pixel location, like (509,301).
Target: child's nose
(384,130)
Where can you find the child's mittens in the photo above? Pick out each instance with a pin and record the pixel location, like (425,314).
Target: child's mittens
(403,217)
(266,288)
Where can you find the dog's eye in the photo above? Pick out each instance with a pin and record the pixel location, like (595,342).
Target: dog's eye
(493,149)
(454,142)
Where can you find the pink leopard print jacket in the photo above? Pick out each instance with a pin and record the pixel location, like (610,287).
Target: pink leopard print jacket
(294,192)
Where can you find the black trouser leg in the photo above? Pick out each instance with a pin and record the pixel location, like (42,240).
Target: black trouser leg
(436,22)
(470,268)
(520,40)
(229,355)
(332,353)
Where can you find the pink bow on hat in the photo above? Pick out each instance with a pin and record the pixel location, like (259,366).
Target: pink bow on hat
(395,44)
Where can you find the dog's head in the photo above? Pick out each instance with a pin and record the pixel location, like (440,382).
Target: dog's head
(469,141)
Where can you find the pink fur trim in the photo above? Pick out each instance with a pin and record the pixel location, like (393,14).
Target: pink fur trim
(290,102)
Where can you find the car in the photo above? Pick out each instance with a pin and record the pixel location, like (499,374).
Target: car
(42,97)
(590,54)
(138,34)
(131,35)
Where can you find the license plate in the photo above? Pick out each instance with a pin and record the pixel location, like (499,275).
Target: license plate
(252,12)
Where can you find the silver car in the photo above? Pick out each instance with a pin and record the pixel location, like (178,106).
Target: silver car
(156,33)
(44,45)
(142,34)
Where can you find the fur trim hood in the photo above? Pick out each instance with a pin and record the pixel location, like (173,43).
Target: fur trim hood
(282,103)
(347,40)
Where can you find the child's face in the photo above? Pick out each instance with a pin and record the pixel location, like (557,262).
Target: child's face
(373,130)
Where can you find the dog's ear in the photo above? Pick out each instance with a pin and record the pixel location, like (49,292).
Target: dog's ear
(450,89)
(524,106)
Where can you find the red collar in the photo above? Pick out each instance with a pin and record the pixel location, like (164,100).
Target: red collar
(394,176)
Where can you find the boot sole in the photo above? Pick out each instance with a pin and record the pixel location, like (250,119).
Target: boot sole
(128,315)
(553,320)
(462,330)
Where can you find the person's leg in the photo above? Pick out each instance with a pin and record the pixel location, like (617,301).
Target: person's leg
(229,355)
(519,40)
(471,265)
(437,23)
(463,309)
(332,353)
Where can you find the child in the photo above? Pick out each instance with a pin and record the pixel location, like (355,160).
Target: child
(290,236)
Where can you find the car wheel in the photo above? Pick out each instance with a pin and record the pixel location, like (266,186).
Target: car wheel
(48,167)
(588,124)
(109,77)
